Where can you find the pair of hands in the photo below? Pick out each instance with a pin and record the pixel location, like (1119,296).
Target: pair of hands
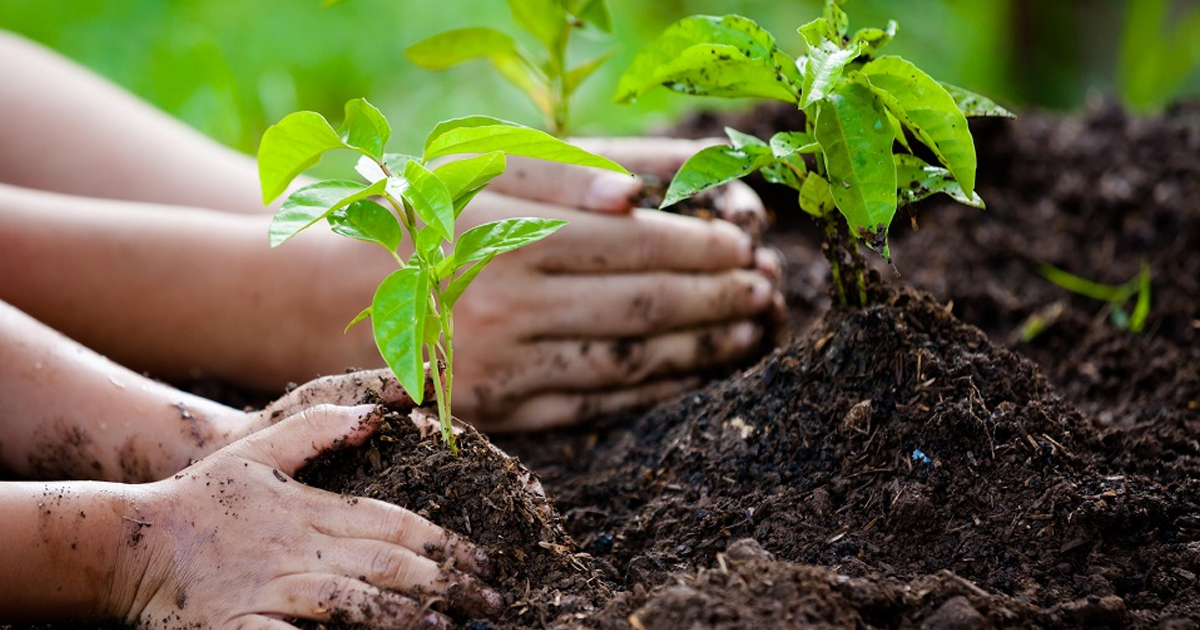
(621,308)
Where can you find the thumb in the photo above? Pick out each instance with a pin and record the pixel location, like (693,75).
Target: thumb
(289,444)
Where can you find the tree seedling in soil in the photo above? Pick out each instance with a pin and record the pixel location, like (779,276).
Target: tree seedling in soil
(1117,297)
(412,311)
(879,132)
(546,78)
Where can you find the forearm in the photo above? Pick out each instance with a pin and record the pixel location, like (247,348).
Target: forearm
(69,549)
(70,413)
(66,129)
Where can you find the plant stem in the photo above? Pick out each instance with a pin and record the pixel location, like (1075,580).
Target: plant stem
(830,248)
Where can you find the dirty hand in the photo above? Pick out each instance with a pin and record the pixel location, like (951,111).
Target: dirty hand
(235,541)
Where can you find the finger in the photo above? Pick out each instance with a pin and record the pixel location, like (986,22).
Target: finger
(262,622)
(637,305)
(399,569)
(639,241)
(287,445)
(568,185)
(565,408)
(342,389)
(321,597)
(625,362)
(376,520)
(769,261)
(657,156)
(737,203)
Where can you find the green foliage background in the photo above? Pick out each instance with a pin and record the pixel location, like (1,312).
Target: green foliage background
(232,67)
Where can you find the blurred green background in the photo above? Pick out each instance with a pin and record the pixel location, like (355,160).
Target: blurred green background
(231,67)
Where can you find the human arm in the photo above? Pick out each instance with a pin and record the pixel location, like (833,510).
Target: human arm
(232,541)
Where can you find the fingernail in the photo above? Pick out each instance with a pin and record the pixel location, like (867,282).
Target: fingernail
(612,191)
(760,292)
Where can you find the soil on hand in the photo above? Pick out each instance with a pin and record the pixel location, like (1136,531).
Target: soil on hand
(919,463)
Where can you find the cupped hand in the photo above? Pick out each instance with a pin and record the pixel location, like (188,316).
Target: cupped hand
(235,542)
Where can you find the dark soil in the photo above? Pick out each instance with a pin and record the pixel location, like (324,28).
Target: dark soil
(913,464)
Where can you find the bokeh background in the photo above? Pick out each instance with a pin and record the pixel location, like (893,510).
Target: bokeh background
(231,67)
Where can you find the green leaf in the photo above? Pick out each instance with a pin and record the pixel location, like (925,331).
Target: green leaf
(916,180)
(1086,288)
(398,319)
(481,134)
(739,139)
(787,143)
(819,31)
(870,40)
(290,147)
(928,110)
(815,197)
(456,46)
(822,69)
(544,19)
(750,39)
(365,128)
(429,246)
(466,177)
(430,199)
(972,104)
(458,285)
(724,71)
(713,166)
(837,18)
(362,315)
(594,12)
(788,171)
(314,202)
(1141,309)
(368,221)
(498,237)
(857,141)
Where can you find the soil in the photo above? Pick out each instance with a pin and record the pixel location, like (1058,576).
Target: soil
(912,464)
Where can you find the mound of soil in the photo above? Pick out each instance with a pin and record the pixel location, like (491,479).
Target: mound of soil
(913,464)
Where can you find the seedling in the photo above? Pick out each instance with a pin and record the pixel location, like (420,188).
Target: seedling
(412,310)
(546,78)
(1116,295)
(869,119)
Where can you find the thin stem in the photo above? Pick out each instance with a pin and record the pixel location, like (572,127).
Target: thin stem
(830,247)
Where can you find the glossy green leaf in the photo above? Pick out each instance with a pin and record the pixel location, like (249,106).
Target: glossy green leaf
(365,128)
(314,202)
(458,45)
(430,199)
(916,180)
(429,246)
(822,69)
(856,139)
(869,40)
(788,171)
(786,143)
(456,287)
(815,196)
(481,134)
(739,139)
(368,221)
(362,315)
(928,110)
(467,177)
(290,147)
(749,39)
(713,166)
(722,70)
(544,19)
(972,104)
(498,237)
(398,319)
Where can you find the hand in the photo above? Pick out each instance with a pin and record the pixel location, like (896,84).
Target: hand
(234,541)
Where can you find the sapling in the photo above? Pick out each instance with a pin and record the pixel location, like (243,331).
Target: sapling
(1116,295)
(412,311)
(869,119)
(546,77)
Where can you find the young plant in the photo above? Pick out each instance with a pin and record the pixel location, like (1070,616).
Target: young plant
(546,78)
(412,311)
(1116,295)
(869,119)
